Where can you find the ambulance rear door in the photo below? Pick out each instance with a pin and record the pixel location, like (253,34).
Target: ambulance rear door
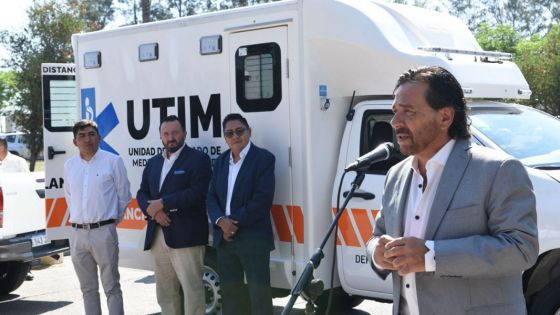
(60,112)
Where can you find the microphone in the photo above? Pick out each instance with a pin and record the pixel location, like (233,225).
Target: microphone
(381,153)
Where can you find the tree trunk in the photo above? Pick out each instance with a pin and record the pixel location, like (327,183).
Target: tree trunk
(146,12)
(32,161)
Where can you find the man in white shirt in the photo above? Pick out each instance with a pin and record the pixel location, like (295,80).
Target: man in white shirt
(11,163)
(458,222)
(97,191)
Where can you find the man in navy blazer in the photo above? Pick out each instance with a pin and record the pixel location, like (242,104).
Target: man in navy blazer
(173,197)
(239,202)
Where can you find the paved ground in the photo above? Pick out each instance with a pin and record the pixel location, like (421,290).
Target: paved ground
(55,290)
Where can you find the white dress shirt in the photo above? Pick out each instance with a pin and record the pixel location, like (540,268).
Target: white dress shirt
(232,175)
(96,190)
(417,214)
(168,163)
(13,164)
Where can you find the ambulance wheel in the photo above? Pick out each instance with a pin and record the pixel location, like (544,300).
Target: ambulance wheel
(341,301)
(211,281)
(546,301)
(12,275)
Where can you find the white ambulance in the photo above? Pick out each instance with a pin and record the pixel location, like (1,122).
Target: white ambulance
(315,80)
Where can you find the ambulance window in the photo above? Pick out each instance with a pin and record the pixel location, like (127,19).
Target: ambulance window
(376,129)
(59,97)
(258,76)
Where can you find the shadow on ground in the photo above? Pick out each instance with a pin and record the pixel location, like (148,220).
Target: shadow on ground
(147,280)
(22,307)
(301,311)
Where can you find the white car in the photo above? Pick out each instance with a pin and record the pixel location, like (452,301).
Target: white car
(17,144)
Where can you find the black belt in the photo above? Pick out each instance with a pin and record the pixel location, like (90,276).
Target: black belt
(90,226)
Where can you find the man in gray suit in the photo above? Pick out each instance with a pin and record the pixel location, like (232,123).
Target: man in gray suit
(458,224)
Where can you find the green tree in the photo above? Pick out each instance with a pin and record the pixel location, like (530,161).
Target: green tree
(46,38)
(155,10)
(500,38)
(7,88)
(471,12)
(527,17)
(143,11)
(539,60)
(96,14)
(179,8)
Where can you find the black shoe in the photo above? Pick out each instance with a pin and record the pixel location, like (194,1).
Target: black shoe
(29,276)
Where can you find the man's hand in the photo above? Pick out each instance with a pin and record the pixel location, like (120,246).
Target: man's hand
(407,254)
(154,206)
(229,227)
(162,218)
(379,253)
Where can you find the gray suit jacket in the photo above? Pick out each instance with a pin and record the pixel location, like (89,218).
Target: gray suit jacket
(483,223)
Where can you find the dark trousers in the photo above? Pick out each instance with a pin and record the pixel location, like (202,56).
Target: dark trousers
(249,257)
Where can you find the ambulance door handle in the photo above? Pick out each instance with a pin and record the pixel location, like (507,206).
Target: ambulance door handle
(52,152)
(360,194)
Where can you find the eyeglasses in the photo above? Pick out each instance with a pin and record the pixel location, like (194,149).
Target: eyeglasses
(238,132)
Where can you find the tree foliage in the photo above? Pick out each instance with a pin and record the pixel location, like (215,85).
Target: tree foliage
(537,57)
(539,60)
(96,14)
(7,88)
(527,17)
(46,38)
(156,10)
(500,38)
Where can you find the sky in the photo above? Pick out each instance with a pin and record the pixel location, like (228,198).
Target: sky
(12,18)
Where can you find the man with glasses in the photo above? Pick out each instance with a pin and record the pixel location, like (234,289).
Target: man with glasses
(173,196)
(239,202)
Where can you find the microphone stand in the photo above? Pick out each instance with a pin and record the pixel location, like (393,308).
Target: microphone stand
(306,285)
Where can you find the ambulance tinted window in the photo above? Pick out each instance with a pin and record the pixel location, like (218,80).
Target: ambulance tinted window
(258,76)
(376,129)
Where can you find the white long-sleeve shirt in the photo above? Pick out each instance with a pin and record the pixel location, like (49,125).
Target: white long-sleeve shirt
(96,190)
(417,214)
(13,164)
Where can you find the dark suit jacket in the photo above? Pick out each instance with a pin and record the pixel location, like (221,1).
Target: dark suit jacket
(184,197)
(252,196)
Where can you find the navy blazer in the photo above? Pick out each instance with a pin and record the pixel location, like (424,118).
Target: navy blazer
(252,197)
(184,197)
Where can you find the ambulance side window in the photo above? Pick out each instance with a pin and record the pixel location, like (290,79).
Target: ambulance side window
(376,129)
(59,97)
(258,77)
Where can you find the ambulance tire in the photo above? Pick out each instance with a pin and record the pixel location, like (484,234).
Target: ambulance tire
(547,300)
(12,275)
(341,301)
(211,281)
